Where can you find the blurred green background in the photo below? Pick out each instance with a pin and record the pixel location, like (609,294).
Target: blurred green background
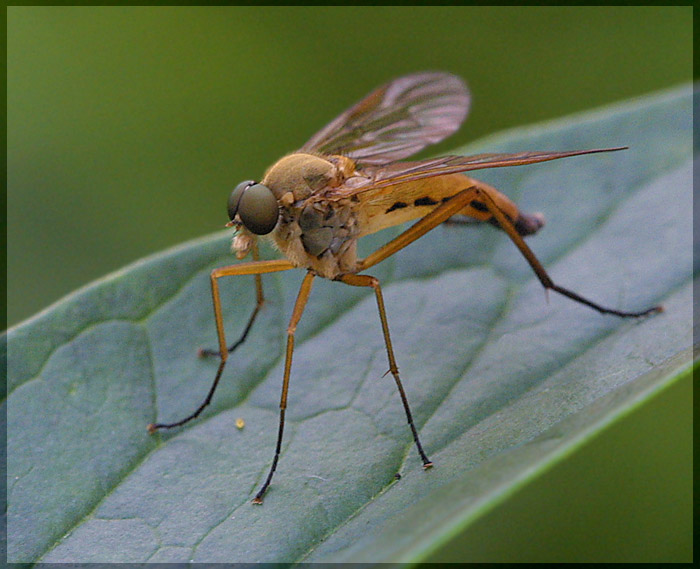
(128,126)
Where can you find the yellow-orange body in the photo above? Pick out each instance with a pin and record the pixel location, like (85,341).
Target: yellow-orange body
(324,210)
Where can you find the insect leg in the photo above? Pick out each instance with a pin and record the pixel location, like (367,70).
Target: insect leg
(299,306)
(483,195)
(480,193)
(260,300)
(255,268)
(368,281)
(418,229)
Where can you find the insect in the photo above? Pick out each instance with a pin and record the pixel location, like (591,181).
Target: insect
(349,181)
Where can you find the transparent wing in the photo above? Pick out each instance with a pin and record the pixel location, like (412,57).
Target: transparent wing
(380,177)
(396,120)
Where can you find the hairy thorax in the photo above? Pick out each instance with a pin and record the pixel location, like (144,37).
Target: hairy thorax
(314,231)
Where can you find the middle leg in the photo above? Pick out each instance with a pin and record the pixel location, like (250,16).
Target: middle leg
(372,282)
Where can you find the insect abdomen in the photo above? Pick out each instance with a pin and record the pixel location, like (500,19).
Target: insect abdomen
(393,205)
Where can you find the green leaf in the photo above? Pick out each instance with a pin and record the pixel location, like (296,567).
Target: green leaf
(503,380)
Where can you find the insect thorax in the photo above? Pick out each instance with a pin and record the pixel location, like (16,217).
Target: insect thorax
(314,232)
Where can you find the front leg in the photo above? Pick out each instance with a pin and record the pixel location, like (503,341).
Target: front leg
(255,268)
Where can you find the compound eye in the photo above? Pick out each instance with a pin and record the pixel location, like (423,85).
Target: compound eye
(256,205)
(234,199)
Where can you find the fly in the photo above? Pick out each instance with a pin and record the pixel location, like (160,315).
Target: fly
(350,180)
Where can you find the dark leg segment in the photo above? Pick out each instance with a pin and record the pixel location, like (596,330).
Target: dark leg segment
(537,267)
(153,427)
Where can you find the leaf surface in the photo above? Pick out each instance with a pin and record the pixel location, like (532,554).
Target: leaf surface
(503,380)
